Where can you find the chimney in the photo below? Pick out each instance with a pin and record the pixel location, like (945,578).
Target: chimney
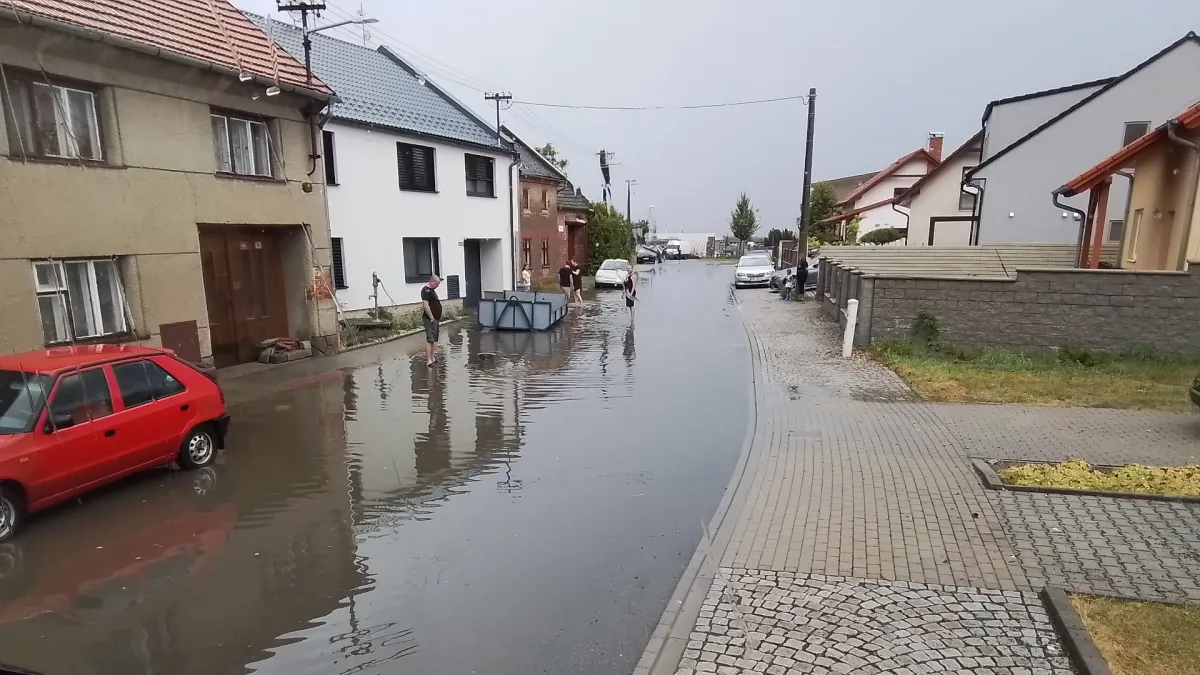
(935,145)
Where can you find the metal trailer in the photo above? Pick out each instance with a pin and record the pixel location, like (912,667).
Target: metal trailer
(522,310)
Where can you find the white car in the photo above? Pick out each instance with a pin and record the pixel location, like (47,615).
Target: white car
(753,270)
(612,273)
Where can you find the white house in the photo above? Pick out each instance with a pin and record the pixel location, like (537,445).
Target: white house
(417,184)
(874,200)
(939,210)
(1019,177)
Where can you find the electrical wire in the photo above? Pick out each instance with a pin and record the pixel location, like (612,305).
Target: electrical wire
(700,106)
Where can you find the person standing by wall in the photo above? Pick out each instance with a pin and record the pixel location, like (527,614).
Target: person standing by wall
(801,278)
(431,318)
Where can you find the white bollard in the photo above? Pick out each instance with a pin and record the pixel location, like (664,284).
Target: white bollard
(851,323)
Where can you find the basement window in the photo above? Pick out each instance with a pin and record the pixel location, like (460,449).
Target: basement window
(79,299)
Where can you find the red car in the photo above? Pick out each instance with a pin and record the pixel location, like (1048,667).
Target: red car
(76,418)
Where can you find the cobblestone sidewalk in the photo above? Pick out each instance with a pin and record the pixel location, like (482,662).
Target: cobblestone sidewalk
(864,543)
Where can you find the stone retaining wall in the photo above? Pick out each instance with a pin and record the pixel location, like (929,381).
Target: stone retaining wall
(1106,310)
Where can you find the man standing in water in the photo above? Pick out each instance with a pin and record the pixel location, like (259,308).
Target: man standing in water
(564,281)
(577,282)
(431,318)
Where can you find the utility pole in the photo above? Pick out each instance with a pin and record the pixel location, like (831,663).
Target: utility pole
(806,203)
(498,97)
(629,209)
(316,7)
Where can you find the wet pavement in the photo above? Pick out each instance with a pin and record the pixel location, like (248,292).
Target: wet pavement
(525,507)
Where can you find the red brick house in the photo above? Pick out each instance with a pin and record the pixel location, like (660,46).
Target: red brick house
(553,214)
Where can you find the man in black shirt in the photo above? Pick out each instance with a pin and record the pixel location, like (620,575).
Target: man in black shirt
(577,282)
(564,280)
(431,317)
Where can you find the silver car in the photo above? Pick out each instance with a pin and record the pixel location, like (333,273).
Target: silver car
(753,270)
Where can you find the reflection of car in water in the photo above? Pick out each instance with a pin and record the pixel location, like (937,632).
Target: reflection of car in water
(119,562)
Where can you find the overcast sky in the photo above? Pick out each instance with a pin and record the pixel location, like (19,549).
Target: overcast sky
(887,73)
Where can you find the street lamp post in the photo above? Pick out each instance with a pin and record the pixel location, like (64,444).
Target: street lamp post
(629,210)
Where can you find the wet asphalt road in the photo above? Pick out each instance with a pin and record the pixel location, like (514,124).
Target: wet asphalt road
(527,512)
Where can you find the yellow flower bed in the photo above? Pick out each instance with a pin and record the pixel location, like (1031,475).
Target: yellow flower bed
(1178,480)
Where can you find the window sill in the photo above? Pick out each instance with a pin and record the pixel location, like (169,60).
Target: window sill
(428,192)
(420,280)
(63,161)
(472,194)
(113,339)
(246,177)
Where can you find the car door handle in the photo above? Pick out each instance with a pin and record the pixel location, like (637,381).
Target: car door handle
(110,433)
(185,407)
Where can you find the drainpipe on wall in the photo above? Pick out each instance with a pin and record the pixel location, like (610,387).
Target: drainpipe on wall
(512,220)
(1173,135)
(1082,222)
(976,185)
(906,215)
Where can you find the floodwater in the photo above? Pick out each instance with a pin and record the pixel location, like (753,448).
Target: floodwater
(525,507)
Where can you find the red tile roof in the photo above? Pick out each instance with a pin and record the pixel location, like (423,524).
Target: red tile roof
(210,31)
(1189,119)
(891,169)
(973,143)
(850,214)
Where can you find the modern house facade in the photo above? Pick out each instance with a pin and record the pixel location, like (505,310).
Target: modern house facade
(417,184)
(939,209)
(153,183)
(874,200)
(1163,215)
(1018,178)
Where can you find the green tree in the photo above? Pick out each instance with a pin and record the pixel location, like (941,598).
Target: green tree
(852,231)
(608,236)
(743,220)
(776,235)
(551,153)
(823,204)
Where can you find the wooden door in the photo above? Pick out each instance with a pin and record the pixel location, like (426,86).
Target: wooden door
(245,290)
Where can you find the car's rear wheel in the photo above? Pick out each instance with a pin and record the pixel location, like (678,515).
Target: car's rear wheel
(199,448)
(12,512)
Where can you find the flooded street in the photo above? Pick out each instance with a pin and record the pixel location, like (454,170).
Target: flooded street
(527,506)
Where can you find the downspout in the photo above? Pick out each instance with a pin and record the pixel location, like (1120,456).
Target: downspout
(1173,135)
(1082,222)
(512,220)
(976,210)
(906,217)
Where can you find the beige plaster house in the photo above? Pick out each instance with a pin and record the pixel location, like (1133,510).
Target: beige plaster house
(158,186)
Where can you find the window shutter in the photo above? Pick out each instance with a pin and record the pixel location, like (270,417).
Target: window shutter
(330,164)
(404,162)
(339,264)
(421,170)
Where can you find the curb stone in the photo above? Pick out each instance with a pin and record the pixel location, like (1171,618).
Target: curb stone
(665,648)
(1074,634)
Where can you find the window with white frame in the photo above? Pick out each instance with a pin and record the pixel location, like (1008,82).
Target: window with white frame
(242,146)
(79,299)
(50,119)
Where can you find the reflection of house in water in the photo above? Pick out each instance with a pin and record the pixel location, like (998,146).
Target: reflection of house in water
(266,552)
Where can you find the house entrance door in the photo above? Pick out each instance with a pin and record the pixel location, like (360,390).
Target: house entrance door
(473,270)
(243,286)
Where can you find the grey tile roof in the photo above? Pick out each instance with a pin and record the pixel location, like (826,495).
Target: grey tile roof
(378,89)
(533,165)
(568,198)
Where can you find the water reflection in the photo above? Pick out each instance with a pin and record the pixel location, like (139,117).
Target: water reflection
(521,507)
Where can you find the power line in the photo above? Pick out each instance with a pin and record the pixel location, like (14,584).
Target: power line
(665,107)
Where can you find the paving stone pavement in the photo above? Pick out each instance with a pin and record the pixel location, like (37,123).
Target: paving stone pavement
(861,523)
(1128,547)
(778,623)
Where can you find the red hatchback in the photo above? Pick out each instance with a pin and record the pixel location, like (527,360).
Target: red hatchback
(112,411)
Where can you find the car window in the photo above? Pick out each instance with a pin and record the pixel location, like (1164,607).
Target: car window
(610,265)
(84,396)
(754,261)
(141,382)
(21,397)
